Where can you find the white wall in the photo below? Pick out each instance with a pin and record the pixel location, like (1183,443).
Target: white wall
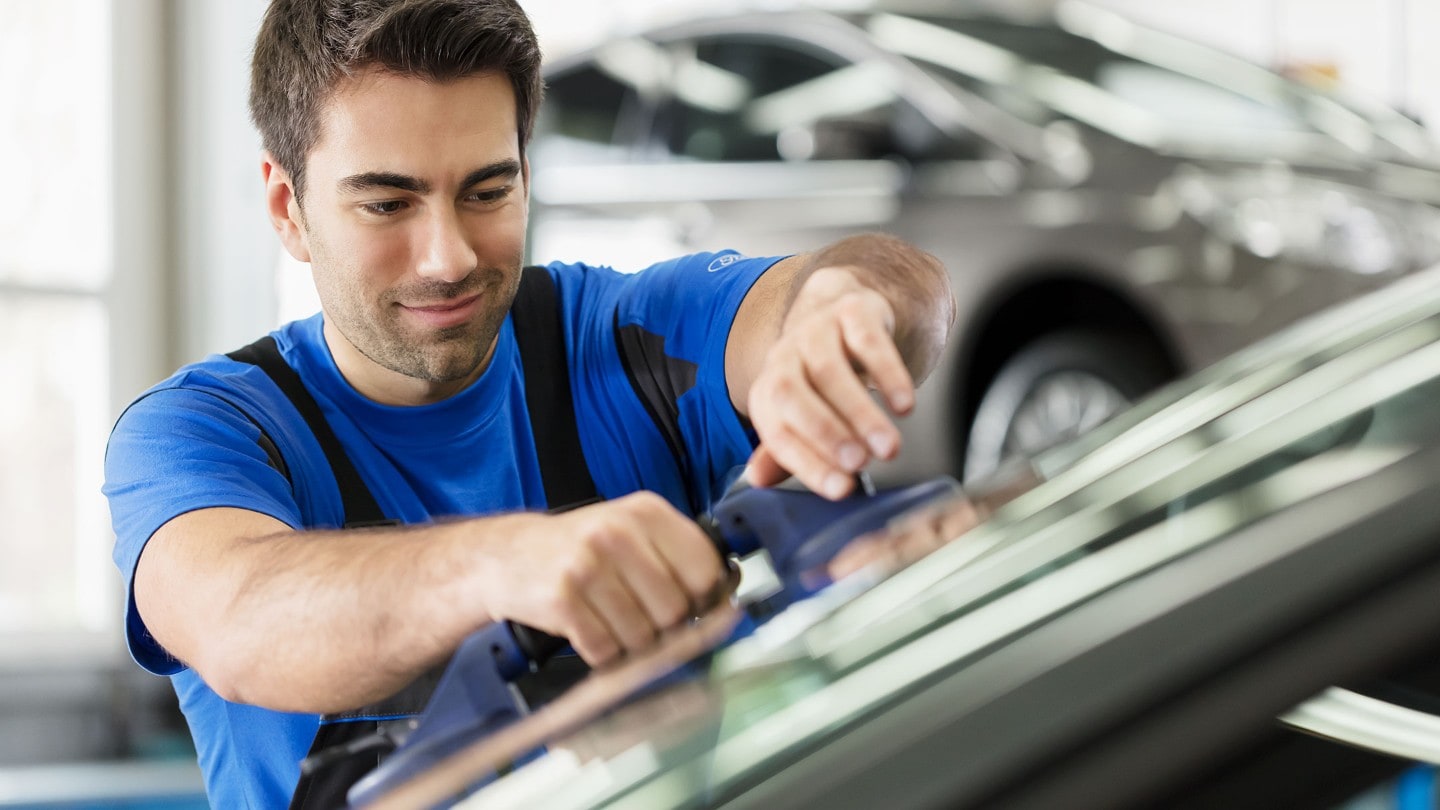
(1381,48)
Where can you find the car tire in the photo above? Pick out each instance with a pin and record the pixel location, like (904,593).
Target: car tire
(1055,388)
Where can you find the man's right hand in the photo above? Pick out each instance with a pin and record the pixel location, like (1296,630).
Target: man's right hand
(608,577)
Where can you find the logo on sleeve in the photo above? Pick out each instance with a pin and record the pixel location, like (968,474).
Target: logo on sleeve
(724,260)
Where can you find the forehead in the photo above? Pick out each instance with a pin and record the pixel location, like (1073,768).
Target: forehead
(376,120)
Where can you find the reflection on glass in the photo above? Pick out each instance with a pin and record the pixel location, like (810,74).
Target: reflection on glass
(769,699)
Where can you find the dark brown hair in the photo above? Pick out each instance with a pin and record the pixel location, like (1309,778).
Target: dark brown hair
(306,46)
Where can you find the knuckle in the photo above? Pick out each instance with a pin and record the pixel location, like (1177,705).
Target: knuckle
(581,571)
(828,365)
(646,502)
(615,540)
(868,311)
(704,583)
(598,651)
(859,304)
(673,612)
(551,604)
(637,636)
(830,434)
(779,387)
(558,603)
(867,340)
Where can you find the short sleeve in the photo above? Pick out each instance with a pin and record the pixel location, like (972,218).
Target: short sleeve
(174,451)
(673,324)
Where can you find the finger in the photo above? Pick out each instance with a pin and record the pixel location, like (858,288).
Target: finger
(669,579)
(837,383)
(812,469)
(789,396)
(686,564)
(921,536)
(870,341)
(592,639)
(959,516)
(862,553)
(762,470)
(620,611)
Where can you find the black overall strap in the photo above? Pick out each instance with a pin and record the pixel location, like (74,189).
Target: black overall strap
(347,741)
(358,503)
(541,339)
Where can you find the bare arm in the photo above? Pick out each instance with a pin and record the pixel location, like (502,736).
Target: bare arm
(330,621)
(814,333)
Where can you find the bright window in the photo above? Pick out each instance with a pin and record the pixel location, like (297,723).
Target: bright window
(56,258)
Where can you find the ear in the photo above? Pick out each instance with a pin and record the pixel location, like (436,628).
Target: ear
(284,211)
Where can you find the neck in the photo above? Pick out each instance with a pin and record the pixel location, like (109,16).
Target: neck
(389,387)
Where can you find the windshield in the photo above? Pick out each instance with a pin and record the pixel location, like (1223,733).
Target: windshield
(721,725)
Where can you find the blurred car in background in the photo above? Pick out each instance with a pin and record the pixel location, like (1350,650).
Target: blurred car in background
(1116,206)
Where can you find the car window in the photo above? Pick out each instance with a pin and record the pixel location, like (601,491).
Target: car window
(753,99)
(702,124)
(1017,65)
(585,117)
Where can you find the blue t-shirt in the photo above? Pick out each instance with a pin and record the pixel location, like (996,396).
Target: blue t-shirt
(647,370)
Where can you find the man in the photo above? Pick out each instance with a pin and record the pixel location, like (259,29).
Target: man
(395,166)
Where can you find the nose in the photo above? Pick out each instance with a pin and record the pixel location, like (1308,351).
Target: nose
(445,252)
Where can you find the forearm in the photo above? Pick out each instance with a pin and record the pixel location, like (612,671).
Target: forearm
(312,621)
(321,621)
(914,282)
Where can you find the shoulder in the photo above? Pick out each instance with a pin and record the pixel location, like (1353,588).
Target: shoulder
(687,280)
(217,390)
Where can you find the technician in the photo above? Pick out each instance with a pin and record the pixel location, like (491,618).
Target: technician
(395,166)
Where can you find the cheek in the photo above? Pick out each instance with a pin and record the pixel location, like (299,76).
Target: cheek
(361,259)
(500,238)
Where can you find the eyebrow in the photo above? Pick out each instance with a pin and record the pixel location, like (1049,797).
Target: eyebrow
(502,168)
(366,181)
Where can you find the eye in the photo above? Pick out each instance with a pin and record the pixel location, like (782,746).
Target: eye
(384,208)
(490,195)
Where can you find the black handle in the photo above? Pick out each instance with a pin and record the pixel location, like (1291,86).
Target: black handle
(539,646)
(536,645)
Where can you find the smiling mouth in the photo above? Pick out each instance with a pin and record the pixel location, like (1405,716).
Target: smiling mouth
(446,313)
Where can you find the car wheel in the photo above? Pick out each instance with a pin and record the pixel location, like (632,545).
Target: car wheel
(1056,388)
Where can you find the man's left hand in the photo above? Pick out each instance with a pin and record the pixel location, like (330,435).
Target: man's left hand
(811,403)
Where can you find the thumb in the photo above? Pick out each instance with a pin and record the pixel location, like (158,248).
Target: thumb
(763,470)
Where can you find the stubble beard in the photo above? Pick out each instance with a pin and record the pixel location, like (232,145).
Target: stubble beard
(378,329)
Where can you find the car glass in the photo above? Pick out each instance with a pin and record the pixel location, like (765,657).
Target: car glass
(1361,411)
(703,123)
(838,674)
(582,119)
(1063,70)
(767,99)
(1239,378)
(803,680)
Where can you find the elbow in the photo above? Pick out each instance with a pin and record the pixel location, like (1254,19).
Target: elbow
(225,671)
